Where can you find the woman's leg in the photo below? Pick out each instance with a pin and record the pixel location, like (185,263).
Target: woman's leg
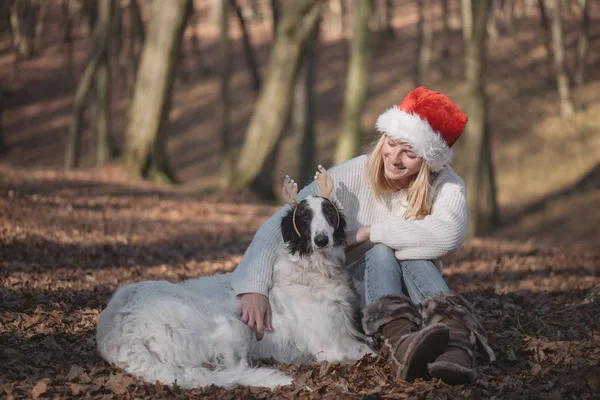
(422,280)
(383,275)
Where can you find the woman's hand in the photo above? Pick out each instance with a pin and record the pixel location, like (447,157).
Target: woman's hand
(358,236)
(254,309)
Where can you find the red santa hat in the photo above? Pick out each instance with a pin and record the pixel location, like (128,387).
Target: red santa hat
(429,122)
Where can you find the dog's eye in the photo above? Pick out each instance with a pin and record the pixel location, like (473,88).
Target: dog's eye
(306,216)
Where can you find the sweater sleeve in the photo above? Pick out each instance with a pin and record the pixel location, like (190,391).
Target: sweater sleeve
(436,235)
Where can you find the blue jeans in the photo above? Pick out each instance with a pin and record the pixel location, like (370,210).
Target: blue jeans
(384,274)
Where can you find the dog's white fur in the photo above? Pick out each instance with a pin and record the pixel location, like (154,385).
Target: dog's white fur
(191,334)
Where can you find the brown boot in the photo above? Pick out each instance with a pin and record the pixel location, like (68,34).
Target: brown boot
(392,325)
(457,363)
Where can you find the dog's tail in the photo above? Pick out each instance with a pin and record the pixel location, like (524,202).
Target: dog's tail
(189,377)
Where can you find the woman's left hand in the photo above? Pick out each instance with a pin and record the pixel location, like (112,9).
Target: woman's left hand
(358,236)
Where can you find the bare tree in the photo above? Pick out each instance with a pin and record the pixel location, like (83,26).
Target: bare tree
(475,141)
(104,148)
(3,146)
(225,104)
(100,48)
(250,59)
(547,31)
(136,37)
(272,107)
(583,42)
(39,26)
(492,25)
(145,143)
(356,84)
(445,39)
(424,42)
(560,64)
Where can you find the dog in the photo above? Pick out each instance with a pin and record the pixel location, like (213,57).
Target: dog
(190,333)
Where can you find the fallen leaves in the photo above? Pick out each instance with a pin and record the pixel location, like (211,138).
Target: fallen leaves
(64,252)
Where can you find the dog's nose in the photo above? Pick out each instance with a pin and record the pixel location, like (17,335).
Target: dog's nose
(321,240)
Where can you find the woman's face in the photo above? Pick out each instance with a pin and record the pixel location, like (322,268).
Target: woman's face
(400,161)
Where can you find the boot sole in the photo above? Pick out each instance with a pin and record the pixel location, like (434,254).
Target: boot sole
(430,343)
(451,373)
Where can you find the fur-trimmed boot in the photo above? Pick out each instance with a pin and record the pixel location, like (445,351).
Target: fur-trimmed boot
(457,363)
(393,328)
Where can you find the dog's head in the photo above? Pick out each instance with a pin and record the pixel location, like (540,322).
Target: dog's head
(314,224)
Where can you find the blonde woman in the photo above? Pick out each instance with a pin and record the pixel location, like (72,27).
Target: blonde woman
(405,209)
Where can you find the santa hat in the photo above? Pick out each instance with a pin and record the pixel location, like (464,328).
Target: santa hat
(429,122)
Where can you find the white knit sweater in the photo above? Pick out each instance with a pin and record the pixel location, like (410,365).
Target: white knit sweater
(430,238)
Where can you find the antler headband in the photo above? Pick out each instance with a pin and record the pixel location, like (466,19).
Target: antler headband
(290,191)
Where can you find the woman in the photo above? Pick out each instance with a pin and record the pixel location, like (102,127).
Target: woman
(406,209)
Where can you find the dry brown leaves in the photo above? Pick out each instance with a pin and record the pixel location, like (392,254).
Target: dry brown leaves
(67,241)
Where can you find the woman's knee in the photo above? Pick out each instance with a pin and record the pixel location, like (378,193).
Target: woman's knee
(381,252)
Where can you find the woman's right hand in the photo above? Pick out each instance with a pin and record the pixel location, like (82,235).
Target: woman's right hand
(254,309)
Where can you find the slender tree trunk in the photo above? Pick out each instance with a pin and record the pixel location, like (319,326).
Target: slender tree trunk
(39,26)
(68,36)
(560,64)
(247,48)
(386,19)
(475,131)
(103,78)
(196,47)
(424,42)
(297,151)
(467,19)
(273,104)
(275,12)
(101,38)
(583,42)
(225,105)
(547,32)
(445,39)
(509,14)
(490,211)
(145,153)
(3,146)
(492,24)
(356,84)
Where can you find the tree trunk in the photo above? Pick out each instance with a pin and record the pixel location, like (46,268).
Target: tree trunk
(492,25)
(101,37)
(273,104)
(475,131)
(297,151)
(103,78)
(547,31)
(225,105)
(445,39)
(583,42)
(136,35)
(356,84)
(3,146)
(509,14)
(68,36)
(247,48)
(145,153)
(560,64)
(489,211)
(39,26)
(424,42)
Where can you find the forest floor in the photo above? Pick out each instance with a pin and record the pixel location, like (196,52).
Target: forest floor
(68,240)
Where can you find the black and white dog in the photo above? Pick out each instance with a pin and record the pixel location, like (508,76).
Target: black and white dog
(190,332)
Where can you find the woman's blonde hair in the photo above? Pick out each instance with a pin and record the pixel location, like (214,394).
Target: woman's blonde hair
(418,189)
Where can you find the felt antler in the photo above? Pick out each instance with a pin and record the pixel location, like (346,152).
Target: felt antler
(324,182)
(289,191)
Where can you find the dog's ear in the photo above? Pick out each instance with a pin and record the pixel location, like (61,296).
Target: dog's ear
(287,226)
(339,236)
